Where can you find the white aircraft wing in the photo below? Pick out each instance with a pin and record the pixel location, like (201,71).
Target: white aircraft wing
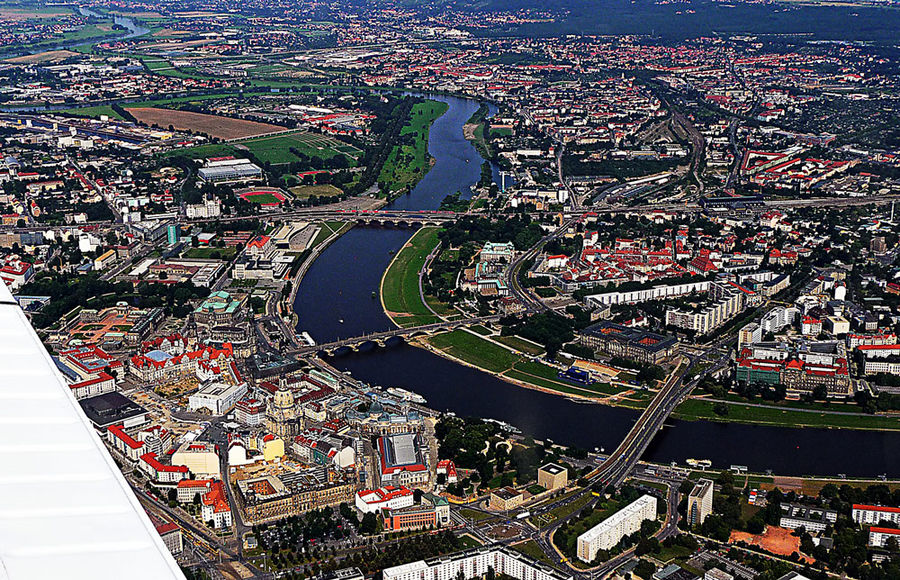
(66,510)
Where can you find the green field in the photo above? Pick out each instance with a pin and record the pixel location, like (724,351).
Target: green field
(400,285)
(521,344)
(262,198)
(306,191)
(560,512)
(694,409)
(94,112)
(475,350)
(409,160)
(531,548)
(277,149)
(211,253)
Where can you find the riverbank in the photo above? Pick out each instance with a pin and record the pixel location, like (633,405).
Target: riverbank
(498,356)
(401,292)
(409,159)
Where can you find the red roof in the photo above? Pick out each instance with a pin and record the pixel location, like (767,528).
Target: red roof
(150,459)
(892,531)
(876,508)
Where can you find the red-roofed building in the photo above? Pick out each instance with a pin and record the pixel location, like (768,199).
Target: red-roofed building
(874,514)
(102,383)
(388,497)
(878,537)
(215,507)
(448,468)
(124,443)
(150,465)
(15,273)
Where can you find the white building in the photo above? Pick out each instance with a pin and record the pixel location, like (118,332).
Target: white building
(873,514)
(878,537)
(728,303)
(610,531)
(390,497)
(475,563)
(777,318)
(217,398)
(210,207)
(655,293)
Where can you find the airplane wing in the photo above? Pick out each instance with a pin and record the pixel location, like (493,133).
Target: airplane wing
(66,510)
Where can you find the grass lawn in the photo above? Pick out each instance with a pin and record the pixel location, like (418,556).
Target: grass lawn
(521,344)
(474,515)
(694,409)
(562,511)
(672,553)
(409,160)
(325,232)
(481,330)
(262,198)
(400,285)
(531,548)
(211,253)
(474,350)
(94,112)
(306,191)
(277,148)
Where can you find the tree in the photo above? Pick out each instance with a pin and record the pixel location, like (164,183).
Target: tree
(369,524)
(720,409)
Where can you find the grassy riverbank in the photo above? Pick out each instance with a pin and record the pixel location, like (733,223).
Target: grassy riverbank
(400,296)
(486,354)
(409,160)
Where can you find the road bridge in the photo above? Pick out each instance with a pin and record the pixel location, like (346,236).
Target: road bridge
(407,218)
(381,338)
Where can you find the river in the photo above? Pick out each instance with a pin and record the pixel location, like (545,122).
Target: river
(335,300)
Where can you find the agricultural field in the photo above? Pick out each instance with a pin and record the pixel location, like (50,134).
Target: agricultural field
(277,148)
(46,57)
(213,125)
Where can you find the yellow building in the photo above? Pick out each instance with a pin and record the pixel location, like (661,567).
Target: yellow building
(271,447)
(553,476)
(505,498)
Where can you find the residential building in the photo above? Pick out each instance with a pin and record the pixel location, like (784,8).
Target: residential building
(811,518)
(878,537)
(159,472)
(215,507)
(250,412)
(717,574)
(610,531)
(475,563)
(188,489)
(874,514)
(700,502)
